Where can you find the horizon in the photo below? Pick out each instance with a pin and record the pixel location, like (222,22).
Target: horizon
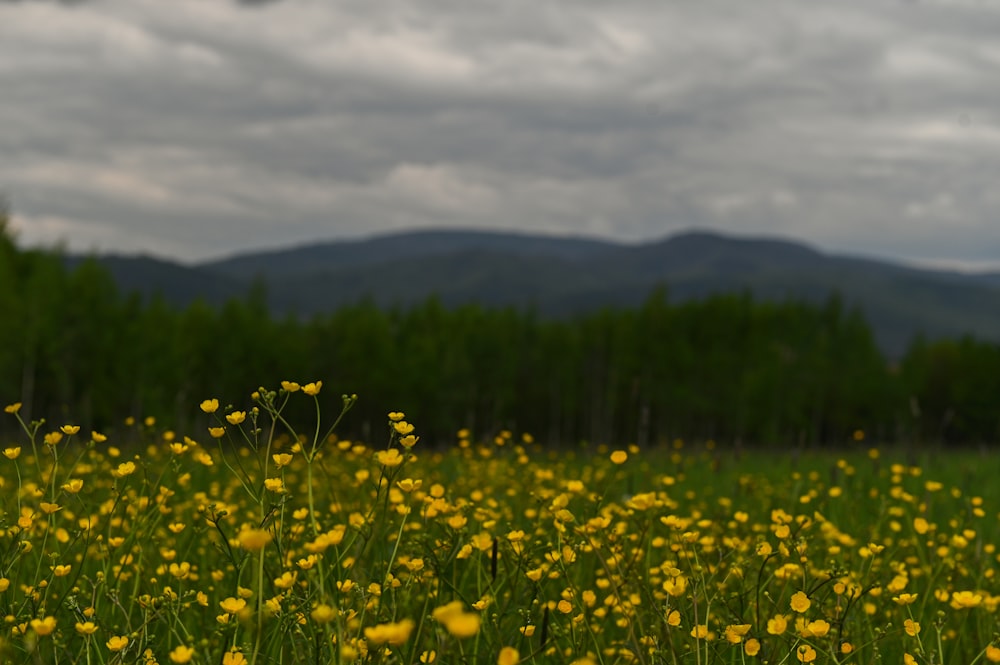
(969,268)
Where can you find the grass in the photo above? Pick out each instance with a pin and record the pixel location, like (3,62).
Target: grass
(264,541)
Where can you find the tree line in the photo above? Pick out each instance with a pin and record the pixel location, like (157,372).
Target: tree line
(727,368)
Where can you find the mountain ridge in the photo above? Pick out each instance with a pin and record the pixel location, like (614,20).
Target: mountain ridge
(561,276)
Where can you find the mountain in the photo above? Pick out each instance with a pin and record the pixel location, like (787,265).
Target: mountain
(561,276)
(176,283)
(309,259)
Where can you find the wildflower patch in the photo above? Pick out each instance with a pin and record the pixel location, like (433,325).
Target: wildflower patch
(259,540)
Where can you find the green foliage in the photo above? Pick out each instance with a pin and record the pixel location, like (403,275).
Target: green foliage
(256,539)
(726,367)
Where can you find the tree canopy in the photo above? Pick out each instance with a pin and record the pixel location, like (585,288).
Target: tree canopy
(728,368)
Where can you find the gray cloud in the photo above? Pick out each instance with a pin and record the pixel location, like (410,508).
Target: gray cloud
(194,129)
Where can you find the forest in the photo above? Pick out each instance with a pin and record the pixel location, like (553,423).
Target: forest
(730,369)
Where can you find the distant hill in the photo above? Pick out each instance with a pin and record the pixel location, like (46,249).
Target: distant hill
(309,259)
(177,284)
(561,276)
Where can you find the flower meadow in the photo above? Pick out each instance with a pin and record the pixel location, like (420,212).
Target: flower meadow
(259,540)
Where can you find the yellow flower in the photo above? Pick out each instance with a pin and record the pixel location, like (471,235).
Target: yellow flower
(43,627)
(180,570)
(210,405)
(62,570)
(232,605)
(290,386)
(800,602)
(97,437)
(642,501)
(233,658)
(456,620)
(911,627)
(736,632)
(909,660)
(904,598)
(86,628)
(674,618)
(236,417)
(619,457)
(124,469)
(12,408)
(73,485)
(992,654)
(52,438)
(274,485)
(408,441)
(182,654)
(254,540)
(699,632)
(49,508)
(389,458)
(117,642)
(396,416)
(281,459)
(12,453)
(963,599)
(752,647)
(331,538)
(286,580)
(409,484)
(777,625)
(216,432)
(403,428)
(323,614)
(508,656)
(70,430)
(818,628)
(392,634)
(312,388)
(805,654)
(675,586)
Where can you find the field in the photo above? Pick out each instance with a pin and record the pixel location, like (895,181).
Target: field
(258,540)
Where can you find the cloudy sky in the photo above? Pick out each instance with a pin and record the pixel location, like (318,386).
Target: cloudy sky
(194,129)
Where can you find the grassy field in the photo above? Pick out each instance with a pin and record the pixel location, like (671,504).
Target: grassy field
(259,540)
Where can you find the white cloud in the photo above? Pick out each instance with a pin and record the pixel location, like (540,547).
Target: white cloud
(196,128)
(89,235)
(440,188)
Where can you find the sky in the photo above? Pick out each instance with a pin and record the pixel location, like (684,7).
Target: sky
(197,129)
